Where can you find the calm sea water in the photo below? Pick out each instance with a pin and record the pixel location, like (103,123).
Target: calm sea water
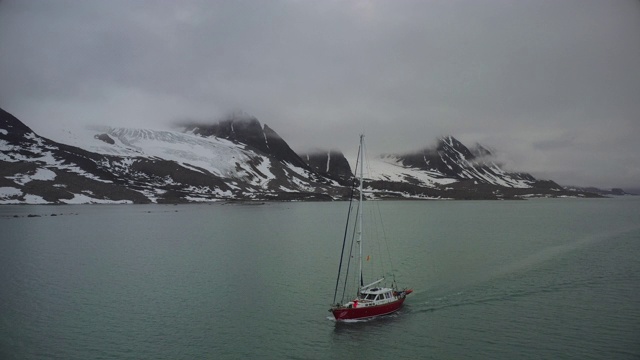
(514,280)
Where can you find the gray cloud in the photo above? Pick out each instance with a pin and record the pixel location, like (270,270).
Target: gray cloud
(552,85)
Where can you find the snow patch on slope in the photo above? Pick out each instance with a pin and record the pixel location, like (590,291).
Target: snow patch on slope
(84,199)
(35,200)
(218,156)
(40,174)
(10,195)
(388,168)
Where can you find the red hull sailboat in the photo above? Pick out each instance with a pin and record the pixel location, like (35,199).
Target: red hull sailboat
(371,300)
(390,301)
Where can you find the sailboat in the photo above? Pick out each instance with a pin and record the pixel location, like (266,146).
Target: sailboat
(371,300)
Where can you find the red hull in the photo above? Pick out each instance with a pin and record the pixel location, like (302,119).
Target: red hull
(343,313)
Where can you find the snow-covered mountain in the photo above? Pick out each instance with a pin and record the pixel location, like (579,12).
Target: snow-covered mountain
(235,159)
(452,160)
(449,170)
(36,170)
(141,166)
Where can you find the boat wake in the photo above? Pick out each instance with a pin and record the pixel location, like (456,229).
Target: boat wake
(365,320)
(552,252)
(349,321)
(489,294)
(505,285)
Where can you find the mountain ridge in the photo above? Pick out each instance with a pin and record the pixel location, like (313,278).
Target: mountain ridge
(235,159)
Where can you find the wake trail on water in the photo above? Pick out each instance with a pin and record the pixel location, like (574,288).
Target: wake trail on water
(551,252)
(498,286)
(365,320)
(543,255)
(461,299)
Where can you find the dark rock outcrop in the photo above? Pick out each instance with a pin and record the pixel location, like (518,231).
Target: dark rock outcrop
(331,164)
(106,138)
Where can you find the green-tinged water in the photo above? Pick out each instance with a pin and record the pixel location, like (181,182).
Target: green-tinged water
(538,279)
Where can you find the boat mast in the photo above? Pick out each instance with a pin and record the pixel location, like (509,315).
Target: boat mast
(361,206)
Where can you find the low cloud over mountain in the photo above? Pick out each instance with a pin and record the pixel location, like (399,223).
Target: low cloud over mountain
(235,159)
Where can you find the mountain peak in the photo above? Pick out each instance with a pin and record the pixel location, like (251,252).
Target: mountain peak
(242,128)
(454,147)
(242,122)
(240,116)
(237,127)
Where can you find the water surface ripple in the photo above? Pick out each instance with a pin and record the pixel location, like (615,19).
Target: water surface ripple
(524,279)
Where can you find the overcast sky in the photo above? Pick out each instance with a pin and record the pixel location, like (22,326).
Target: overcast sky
(553,86)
